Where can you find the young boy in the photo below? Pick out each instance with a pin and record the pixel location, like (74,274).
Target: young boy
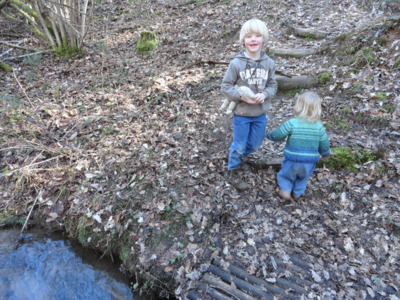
(254,69)
(306,143)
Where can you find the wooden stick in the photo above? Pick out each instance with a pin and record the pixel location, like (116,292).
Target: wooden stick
(26,95)
(30,212)
(40,162)
(29,54)
(17,45)
(5,52)
(210,62)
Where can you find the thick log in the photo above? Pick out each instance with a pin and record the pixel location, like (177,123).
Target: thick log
(297,53)
(261,164)
(307,32)
(303,82)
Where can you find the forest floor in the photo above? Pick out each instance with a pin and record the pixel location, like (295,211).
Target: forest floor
(126,152)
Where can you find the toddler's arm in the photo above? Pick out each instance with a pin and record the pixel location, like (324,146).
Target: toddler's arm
(324,144)
(280,133)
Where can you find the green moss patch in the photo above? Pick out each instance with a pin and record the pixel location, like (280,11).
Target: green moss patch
(324,78)
(147,42)
(346,158)
(397,63)
(5,67)
(7,220)
(364,56)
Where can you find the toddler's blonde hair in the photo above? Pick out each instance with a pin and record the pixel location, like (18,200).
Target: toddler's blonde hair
(308,105)
(254,26)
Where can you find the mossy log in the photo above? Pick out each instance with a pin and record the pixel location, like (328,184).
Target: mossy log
(302,82)
(307,32)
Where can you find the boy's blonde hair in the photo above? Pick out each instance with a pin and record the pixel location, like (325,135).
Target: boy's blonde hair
(308,105)
(254,26)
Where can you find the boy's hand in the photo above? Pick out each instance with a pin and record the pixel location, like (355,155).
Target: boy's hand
(249,101)
(259,98)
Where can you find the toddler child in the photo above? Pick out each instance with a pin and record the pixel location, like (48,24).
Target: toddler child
(306,143)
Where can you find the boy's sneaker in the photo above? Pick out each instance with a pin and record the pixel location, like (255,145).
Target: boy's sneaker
(233,177)
(244,166)
(285,195)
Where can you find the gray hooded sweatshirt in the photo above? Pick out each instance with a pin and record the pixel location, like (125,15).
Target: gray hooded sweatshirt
(258,75)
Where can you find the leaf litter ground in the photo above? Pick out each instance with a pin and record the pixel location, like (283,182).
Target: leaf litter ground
(126,152)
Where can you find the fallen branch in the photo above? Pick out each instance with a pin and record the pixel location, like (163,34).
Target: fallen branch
(205,62)
(30,165)
(5,52)
(265,163)
(29,54)
(192,2)
(17,45)
(23,90)
(30,212)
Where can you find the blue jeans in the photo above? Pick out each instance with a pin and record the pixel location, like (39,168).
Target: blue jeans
(248,134)
(294,176)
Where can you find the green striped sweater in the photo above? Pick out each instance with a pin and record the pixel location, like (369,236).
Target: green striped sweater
(306,142)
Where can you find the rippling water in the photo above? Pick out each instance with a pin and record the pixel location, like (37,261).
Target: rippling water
(46,269)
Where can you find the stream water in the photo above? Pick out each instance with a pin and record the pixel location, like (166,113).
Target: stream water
(52,268)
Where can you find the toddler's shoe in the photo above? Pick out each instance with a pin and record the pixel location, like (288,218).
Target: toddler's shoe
(285,195)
